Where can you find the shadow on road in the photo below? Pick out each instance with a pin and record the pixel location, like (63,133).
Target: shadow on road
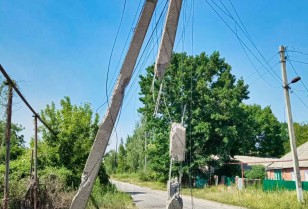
(135,193)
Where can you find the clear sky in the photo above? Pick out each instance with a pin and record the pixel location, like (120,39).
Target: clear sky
(62,48)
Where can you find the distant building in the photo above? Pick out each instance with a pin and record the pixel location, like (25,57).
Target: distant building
(249,161)
(284,170)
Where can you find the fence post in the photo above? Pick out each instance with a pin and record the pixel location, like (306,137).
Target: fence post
(8,145)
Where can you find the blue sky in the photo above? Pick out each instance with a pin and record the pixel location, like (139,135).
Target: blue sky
(62,48)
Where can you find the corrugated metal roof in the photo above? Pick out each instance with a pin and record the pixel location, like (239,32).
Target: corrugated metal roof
(302,152)
(249,160)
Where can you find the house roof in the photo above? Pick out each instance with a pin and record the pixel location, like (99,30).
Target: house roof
(302,152)
(249,160)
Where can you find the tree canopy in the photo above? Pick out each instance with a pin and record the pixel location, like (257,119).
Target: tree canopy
(218,124)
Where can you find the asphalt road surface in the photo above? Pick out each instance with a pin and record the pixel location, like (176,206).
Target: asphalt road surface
(146,198)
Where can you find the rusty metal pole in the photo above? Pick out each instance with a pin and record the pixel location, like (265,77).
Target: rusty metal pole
(31,165)
(8,144)
(35,164)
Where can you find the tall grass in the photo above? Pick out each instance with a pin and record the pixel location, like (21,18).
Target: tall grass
(251,197)
(107,196)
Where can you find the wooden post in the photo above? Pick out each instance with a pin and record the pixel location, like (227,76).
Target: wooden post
(8,145)
(35,164)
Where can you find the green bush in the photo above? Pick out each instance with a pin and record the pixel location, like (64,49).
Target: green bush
(256,172)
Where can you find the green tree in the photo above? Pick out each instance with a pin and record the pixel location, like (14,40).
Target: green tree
(264,133)
(212,96)
(17,142)
(122,162)
(110,162)
(76,127)
(135,149)
(301,135)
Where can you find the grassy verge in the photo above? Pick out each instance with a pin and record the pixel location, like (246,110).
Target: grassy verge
(249,198)
(109,197)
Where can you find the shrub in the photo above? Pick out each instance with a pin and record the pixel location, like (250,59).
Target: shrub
(256,172)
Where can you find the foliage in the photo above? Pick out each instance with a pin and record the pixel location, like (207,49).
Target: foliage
(301,135)
(17,147)
(108,196)
(256,172)
(218,123)
(76,127)
(212,96)
(264,133)
(122,159)
(110,162)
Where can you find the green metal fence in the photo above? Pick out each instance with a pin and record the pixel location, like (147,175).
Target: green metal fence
(229,181)
(281,184)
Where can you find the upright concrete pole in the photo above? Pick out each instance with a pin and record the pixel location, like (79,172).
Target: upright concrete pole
(8,145)
(298,182)
(35,164)
(105,129)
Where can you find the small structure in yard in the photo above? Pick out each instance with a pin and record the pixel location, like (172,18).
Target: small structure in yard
(283,170)
(249,161)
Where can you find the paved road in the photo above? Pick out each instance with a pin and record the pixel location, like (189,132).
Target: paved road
(146,198)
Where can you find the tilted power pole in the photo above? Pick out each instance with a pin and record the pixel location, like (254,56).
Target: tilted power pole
(298,182)
(168,38)
(105,129)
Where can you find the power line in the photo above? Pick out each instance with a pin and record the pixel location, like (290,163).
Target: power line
(112,49)
(126,42)
(147,44)
(296,72)
(242,43)
(305,63)
(300,100)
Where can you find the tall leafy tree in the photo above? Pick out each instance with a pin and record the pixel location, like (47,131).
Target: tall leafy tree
(122,161)
(212,96)
(301,135)
(266,134)
(76,127)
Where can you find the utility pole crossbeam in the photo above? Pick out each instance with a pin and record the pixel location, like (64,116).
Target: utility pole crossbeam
(168,38)
(298,182)
(105,129)
(8,145)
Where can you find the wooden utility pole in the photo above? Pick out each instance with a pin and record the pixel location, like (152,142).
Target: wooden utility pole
(105,129)
(298,182)
(8,145)
(35,164)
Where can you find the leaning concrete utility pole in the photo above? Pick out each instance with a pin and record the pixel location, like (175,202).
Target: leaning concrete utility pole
(105,129)
(168,38)
(8,145)
(298,182)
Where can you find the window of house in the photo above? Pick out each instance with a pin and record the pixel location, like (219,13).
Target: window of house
(306,175)
(277,175)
